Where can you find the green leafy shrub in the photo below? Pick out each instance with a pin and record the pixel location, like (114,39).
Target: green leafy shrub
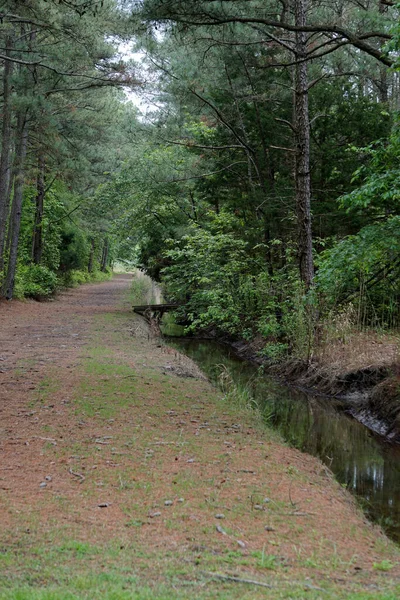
(36,281)
(365,269)
(101,275)
(275,351)
(76,277)
(223,285)
(206,272)
(74,249)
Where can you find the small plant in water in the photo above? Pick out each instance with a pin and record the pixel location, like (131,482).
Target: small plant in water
(240,395)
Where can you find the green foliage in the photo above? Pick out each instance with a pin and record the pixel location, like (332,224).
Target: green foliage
(207,198)
(378,194)
(207,271)
(75,277)
(36,281)
(393,45)
(55,204)
(348,123)
(77,125)
(365,268)
(275,351)
(222,286)
(74,251)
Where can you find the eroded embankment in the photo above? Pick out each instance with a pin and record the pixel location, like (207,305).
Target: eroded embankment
(370,393)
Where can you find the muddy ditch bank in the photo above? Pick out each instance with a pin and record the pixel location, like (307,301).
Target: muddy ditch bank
(370,394)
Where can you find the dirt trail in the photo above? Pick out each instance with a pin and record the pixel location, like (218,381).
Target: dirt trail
(39,341)
(111,440)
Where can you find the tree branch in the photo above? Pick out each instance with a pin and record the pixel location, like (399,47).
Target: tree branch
(210,19)
(222,119)
(191,145)
(240,162)
(107,81)
(288,123)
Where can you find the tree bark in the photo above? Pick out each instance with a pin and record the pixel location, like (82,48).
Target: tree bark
(91,256)
(302,165)
(104,257)
(16,210)
(383,80)
(37,242)
(5,160)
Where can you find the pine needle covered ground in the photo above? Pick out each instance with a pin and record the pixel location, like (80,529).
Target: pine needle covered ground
(124,474)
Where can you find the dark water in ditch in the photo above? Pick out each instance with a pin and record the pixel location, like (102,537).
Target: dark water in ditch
(360,459)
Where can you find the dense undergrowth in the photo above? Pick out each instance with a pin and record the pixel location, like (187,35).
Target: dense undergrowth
(223,285)
(66,253)
(38,282)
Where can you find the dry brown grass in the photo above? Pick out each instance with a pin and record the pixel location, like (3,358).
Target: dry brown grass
(345,348)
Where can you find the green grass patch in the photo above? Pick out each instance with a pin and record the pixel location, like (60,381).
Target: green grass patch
(47,387)
(105,387)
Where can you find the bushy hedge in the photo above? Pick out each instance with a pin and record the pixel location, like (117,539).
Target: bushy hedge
(35,281)
(39,282)
(77,277)
(224,287)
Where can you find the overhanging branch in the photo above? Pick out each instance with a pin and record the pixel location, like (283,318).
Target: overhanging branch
(358,41)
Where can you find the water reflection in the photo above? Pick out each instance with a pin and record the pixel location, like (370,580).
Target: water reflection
(361,460)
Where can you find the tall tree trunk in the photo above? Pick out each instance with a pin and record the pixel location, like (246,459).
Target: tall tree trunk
(37,243)
(91,255)
(16,209)
(383,85)
(302,168)
(5,160)
(104,257)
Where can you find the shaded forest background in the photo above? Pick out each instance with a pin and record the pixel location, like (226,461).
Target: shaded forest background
(260,184)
